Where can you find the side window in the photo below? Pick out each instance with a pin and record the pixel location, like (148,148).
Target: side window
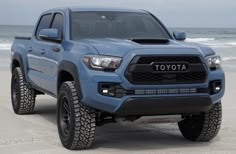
(58,23)
(44,23)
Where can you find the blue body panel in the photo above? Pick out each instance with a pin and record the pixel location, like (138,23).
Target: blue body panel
(41,69)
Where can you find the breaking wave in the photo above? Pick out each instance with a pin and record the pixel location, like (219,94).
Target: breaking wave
(212,42)
(5,46)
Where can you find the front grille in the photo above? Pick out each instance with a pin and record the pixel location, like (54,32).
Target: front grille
(149,59)
(140,70)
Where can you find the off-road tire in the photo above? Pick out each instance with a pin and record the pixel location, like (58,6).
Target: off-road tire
(76,129)
(22,95)
(203,127)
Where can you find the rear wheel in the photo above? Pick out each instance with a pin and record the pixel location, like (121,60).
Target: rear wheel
(76,122)
(202,127)
(22,95)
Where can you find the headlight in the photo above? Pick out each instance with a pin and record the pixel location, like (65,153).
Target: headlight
(98,62)
(214,62)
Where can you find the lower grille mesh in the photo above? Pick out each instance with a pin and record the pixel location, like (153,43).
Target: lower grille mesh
(181,78)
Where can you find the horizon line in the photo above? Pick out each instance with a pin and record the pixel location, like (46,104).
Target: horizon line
(167,26)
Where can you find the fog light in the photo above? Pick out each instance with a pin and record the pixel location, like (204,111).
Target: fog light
(111,90)
(105,91)
(215,87)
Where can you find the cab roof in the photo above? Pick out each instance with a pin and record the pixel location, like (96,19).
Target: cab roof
(85,9)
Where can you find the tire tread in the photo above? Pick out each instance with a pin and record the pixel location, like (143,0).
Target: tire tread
(84,118)
(203,127)
(26,98)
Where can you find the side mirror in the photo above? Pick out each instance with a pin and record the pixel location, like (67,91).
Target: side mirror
(180,36)
(50,35)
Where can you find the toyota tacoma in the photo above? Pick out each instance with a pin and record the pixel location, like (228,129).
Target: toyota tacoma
(108,65)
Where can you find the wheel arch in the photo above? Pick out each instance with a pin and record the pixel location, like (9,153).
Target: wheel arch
(67,71)
(17,61)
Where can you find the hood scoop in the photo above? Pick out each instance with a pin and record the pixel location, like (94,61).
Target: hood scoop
(150,41)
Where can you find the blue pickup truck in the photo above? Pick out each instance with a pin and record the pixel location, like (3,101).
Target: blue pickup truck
(109,64)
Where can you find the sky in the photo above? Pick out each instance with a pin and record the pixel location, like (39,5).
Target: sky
(173,13)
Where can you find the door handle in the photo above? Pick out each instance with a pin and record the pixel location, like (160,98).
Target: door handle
(43,52)
(30,49)
(56,49)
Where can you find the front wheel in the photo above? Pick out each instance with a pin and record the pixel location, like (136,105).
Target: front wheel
(204,126)
(76,122)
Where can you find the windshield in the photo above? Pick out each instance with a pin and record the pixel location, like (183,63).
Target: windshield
(120,25)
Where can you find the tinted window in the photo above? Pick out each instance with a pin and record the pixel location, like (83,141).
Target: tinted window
(44,23)
(122,25)
(58,23)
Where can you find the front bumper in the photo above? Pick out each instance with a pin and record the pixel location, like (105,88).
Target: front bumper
(148,104)
(165,105)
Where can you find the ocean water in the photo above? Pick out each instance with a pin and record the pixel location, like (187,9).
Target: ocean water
(222,40)
(7,34)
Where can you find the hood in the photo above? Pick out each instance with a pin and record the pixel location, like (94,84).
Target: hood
(120,47)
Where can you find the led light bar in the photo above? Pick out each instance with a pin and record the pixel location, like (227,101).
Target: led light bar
(166,91)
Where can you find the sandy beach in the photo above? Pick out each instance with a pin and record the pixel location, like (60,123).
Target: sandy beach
(37,133)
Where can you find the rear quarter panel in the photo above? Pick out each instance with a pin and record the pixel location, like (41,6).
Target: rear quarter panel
(19,53)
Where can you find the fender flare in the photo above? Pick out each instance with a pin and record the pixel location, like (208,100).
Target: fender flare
(72,69)
(16,56)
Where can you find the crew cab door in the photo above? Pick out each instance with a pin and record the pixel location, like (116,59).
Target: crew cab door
(35,49)
(50,56)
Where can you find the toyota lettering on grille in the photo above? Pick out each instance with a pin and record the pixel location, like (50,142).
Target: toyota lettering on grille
(163,67)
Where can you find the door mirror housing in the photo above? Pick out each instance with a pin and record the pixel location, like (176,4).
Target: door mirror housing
(50,35)
(180,36)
